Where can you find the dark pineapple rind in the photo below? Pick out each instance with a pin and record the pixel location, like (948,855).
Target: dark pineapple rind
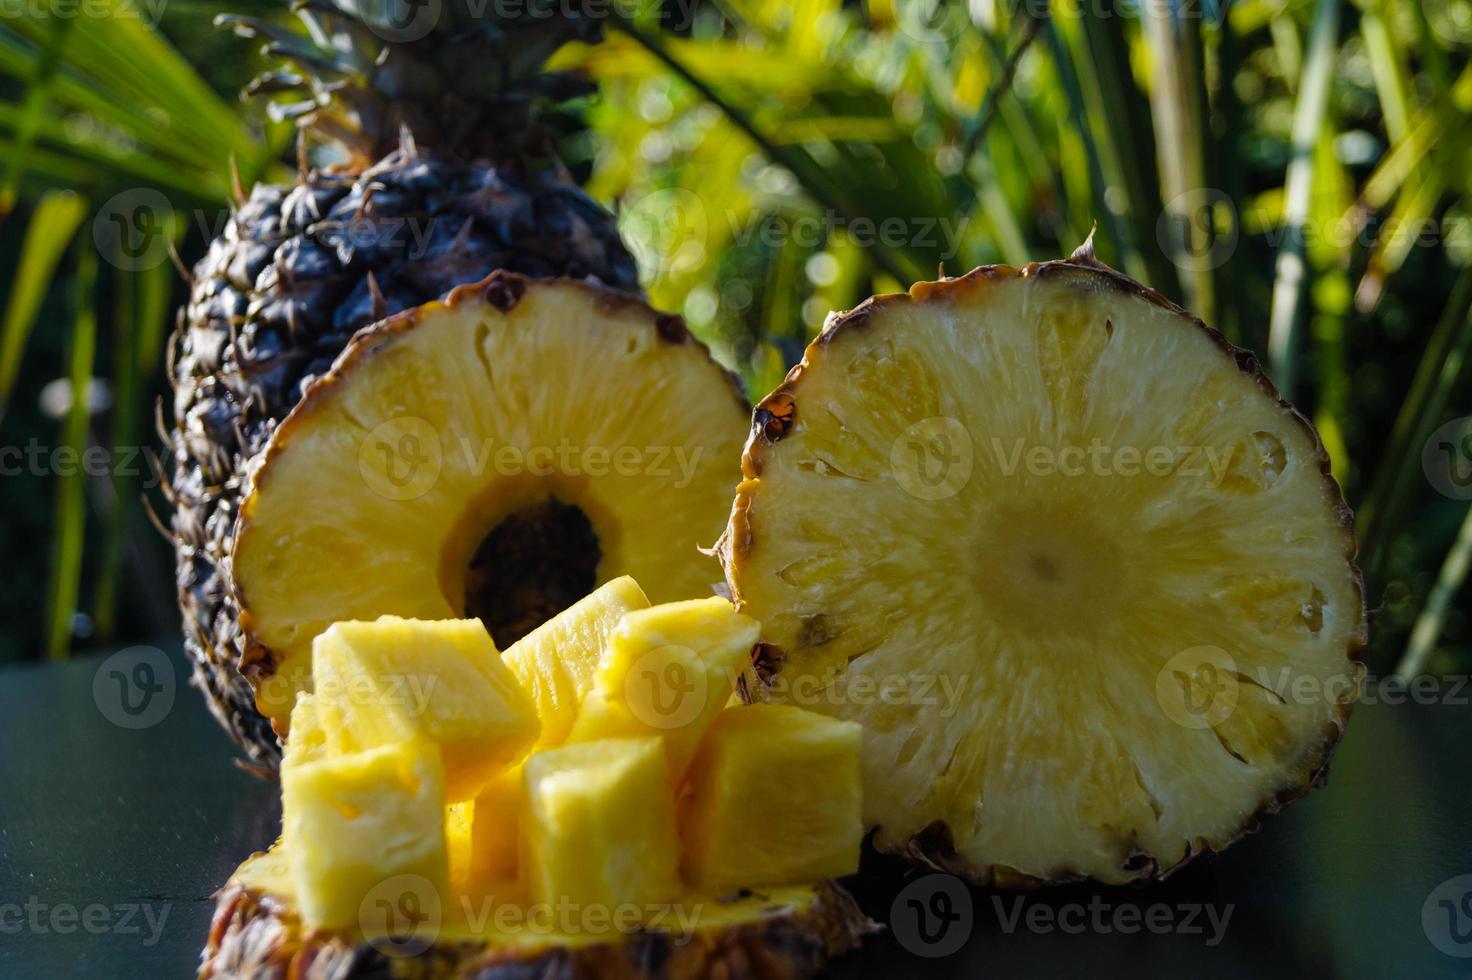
(258,936)
(299,269)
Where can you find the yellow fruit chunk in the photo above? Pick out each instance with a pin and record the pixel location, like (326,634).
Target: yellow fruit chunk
(599,826)
(374,825)
(395,680)
(774,798)
(308,739)
(668,671)
(556,661)
(495,826)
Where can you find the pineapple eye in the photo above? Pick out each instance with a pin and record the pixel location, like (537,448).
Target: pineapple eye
(1272,456)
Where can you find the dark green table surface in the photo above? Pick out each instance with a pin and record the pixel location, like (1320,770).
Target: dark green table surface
(113,838)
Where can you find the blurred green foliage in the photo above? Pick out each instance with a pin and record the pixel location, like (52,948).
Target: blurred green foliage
(1294,171)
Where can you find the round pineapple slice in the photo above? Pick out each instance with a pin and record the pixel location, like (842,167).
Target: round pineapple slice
(777,934)
(498,454)
(1081,574)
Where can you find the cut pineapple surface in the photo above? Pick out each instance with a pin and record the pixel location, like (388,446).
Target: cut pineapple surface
(774,796)
(599,825)
(1082,576)
(557,662)
(496,455)
(394,680)
(365,827)
(309,740)
(667,672)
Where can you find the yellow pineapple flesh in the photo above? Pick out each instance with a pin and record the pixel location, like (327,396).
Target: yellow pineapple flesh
(599,827)
(668,670)
(309,740)
(396,680)
(774,797)
(1068,559)
(495,826)
(364,827)
(557,661)
(425,473)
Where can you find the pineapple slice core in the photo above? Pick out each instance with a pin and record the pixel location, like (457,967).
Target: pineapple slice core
(599,827)
(1082,578)
(395,680)
(366,832)
(498,455)
(774,797)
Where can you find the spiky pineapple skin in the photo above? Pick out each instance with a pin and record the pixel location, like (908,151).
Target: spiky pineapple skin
(296,272)
(257,935)
(772,420)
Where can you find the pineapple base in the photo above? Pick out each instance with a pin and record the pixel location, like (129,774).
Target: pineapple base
(780,933)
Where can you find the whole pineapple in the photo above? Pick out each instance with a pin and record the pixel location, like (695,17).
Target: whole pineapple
(445,177)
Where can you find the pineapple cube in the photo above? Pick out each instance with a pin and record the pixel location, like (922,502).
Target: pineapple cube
(774,798)
(396,680)
(373,821)
(556,661)
(307,739)
(599,825)
(495,827)
(668,671)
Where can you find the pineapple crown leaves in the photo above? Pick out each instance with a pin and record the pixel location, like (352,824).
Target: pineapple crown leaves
(463,75)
